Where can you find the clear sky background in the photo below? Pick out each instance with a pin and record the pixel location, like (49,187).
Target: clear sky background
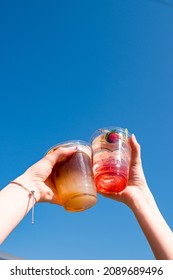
(68,68)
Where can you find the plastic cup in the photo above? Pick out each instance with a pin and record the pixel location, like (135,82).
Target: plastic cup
(111,159)
(73,177)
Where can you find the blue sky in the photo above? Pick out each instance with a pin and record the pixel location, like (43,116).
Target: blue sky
(66,69)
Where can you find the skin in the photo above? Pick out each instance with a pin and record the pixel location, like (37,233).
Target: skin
(137,196)
(140,200)
(38,178)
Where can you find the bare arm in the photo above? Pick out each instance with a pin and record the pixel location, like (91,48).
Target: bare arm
(16,201)
(141,201)
(143,205)
(155,228)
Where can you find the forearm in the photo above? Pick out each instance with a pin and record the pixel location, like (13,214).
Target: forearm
(155,228)
(15,202)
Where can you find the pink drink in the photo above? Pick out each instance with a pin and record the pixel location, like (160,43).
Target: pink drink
(111,159)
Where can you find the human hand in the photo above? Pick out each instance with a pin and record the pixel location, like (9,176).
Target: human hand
(137,187)
(39,176)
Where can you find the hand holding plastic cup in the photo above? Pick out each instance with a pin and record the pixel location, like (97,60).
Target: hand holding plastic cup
(73,177)
(111,159)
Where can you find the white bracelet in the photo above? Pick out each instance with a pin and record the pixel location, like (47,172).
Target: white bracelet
(32,194)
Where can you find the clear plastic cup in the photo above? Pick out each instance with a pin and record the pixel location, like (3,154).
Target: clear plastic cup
(111,158)
(73,177)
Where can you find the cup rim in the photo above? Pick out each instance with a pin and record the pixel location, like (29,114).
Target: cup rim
(68,143)
(108,129)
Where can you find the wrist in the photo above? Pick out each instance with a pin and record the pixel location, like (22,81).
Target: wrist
(142,200)
(28,185)
(43,193)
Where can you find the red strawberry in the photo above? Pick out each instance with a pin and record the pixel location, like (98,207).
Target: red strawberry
(112,137)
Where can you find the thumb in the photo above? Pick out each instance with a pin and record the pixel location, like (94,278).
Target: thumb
(44,166)
(136,150)
(59,154)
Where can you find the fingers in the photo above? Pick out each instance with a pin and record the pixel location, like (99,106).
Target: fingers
(136,150)
(45,165)
(60,154)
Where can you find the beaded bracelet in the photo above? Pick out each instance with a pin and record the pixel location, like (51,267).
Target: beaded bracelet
(32,193)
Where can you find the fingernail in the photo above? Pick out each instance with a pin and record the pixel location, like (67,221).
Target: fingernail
(134,137)
(73,148)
